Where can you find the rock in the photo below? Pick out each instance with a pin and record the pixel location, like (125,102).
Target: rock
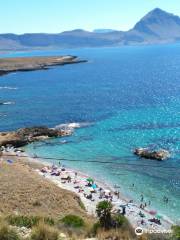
(24,136)
(157,155)
(62,236)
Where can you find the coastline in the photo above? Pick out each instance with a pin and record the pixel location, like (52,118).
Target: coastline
(132,209)
(23,64)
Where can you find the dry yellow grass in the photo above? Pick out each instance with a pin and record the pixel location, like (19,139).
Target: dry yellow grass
(23,191)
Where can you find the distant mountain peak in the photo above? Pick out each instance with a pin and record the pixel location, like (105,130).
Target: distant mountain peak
(159,23)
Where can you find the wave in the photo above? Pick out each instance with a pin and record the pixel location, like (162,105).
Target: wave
(8,88)
(7,103)
(72,126)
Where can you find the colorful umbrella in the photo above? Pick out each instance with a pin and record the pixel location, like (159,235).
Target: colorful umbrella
(153,212)
(90,180)
(158,216)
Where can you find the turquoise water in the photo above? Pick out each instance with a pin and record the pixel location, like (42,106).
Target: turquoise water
(130,96)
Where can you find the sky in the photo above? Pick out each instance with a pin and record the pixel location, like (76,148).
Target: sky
(55,16)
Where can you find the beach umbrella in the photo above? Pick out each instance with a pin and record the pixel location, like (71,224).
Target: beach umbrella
(90,180)
(153,212)
(107,191)
(158,216)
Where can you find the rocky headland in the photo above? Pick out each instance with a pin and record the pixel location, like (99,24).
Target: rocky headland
(23,136)
(8,65)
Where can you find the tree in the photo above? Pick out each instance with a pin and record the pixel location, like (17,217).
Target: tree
(103,211)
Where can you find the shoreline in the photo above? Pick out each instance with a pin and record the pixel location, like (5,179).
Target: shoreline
(24,64)
(132,209)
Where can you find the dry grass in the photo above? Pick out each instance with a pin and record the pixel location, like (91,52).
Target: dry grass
(119,234)
(24,192)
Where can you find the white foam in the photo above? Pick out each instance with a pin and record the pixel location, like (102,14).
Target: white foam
(71,126)
(8,103)
(9,88)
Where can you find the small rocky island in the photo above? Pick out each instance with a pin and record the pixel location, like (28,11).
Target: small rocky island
(156,155)
(8,65)
(23,136)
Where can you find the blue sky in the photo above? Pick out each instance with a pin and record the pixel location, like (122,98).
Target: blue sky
(53,16)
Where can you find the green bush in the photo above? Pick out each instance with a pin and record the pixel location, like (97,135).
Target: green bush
(28,221)
(44,232)
(176,232)
(119,220)
(6,233)
(103,210)
(95,228)
(73,221)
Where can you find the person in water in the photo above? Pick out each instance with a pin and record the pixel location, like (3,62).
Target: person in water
(165,199)
(142,198)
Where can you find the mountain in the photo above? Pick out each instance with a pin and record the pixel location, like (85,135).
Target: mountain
(157,26)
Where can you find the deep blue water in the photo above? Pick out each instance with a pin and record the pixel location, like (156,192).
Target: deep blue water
(132,97)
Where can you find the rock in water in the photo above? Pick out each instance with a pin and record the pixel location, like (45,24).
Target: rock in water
(24,136)
(157,155)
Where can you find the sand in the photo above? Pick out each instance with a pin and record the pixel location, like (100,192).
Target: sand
(132,209)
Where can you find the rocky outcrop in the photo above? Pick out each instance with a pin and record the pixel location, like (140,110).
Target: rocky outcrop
(24,136)
(9,65)
(157,155)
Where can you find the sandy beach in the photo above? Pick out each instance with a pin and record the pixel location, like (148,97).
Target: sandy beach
(92,193)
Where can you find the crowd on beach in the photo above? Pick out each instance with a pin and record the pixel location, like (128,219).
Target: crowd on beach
(92,192)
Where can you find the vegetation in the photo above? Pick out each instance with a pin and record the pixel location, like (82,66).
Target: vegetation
(7,233)
(176,232)
(103,210)
(119,221)
(28,221)
(73,221)
(44,232)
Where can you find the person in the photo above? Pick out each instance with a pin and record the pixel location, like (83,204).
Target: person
(59,163)
(142,222)
(165,199)
(69,179)
(142,198)
(141,206)
(149,203)
(123,210)
(75,174)
(118,194)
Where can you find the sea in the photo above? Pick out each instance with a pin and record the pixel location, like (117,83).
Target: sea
(120,99)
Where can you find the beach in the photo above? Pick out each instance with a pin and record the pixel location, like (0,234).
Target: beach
(80,184)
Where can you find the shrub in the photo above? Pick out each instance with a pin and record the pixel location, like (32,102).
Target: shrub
(119,220)
(103,210)
(6,233)
(22,221)
(44,232)
(73,221)
(95,228)
(176,232)
(28,221)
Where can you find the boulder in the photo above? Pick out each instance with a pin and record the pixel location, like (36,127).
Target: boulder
(24,136)
(160,155)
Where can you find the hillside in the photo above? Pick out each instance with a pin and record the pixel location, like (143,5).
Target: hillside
(157,26)
(36,196)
